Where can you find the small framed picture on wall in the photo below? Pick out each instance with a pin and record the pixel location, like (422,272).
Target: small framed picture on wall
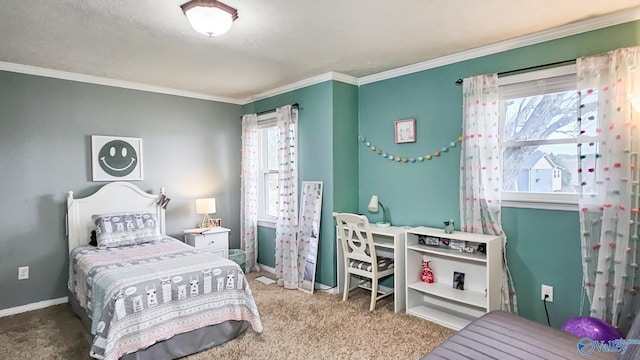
(405,131)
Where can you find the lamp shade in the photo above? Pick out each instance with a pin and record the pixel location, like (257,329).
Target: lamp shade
(206,206)
(211,18)
(373,203)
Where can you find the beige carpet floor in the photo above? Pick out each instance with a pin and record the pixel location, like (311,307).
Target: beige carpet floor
(296,326)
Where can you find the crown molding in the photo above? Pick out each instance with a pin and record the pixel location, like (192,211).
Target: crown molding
(301,84)
(65,75)
(578,27)
(345,78)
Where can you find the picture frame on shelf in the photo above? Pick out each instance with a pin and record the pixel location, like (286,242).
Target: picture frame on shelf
(458,280)
(215,223)
(405,131)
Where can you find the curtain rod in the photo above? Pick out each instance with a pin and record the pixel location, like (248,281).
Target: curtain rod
(558,63)
(295,105)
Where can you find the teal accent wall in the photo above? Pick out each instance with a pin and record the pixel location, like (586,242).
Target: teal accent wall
(326,110)
(543,246)
(266,246)
(190,147)
(345,149)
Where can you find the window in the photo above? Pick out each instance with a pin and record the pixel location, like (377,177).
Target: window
(540,135)
(268,178)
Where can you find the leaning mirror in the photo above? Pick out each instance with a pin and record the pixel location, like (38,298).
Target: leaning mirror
(310,208)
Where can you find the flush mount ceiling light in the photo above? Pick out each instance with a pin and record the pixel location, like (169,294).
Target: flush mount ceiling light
(209,17)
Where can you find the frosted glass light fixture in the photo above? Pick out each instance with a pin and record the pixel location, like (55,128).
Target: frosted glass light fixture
(209,17)
(373,207)
(205,207)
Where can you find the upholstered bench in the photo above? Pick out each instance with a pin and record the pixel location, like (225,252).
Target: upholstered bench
(501,335)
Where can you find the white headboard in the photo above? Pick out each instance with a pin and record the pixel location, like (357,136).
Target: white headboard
(114,197)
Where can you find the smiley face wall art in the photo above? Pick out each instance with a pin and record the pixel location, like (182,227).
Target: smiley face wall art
(116,158)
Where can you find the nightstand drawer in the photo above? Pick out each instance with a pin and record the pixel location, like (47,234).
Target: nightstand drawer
(216,242)
(210,240)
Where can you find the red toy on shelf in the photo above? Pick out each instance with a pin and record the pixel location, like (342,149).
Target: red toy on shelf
(427,273)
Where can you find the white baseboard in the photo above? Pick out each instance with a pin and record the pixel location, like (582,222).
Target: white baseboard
(267,269)
(318,286)
(327,289)
(33,306)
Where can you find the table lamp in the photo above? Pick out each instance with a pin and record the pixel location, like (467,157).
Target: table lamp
(205,207)
(373,207)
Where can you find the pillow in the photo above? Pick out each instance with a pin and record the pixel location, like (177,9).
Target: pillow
(127,228)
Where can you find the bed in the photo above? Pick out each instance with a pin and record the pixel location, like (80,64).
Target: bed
(143,295)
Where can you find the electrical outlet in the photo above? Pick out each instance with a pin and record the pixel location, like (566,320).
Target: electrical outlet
(23,272)
(546,290)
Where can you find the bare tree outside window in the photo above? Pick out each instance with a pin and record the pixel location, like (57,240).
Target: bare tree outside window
(541,135)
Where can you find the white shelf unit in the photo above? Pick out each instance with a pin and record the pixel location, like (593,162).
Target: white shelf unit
(440,302)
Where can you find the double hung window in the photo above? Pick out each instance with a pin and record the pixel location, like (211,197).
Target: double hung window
(268,177)
(540,136)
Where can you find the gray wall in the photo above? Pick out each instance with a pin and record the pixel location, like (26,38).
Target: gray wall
(190,147)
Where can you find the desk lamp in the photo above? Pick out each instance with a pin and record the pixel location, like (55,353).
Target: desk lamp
(205,207)
(373,207)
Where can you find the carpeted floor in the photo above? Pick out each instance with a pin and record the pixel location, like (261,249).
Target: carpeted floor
(296,326)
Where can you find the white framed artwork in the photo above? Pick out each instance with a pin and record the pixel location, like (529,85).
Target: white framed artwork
(115,158)
(405,131)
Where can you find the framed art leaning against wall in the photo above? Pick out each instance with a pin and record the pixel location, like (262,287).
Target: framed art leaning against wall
(116,158)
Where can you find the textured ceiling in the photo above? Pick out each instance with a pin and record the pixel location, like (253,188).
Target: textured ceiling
(273,43)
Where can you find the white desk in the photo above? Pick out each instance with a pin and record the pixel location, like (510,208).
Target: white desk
(389,242)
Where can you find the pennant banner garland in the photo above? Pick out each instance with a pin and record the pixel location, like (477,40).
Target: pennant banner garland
(408,159)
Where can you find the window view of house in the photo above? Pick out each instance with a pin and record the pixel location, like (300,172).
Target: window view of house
(541,134)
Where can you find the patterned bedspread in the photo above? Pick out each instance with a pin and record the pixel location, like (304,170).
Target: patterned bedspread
(141,294)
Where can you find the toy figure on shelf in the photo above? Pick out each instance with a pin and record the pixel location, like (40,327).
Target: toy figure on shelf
(427,273)
(449,227)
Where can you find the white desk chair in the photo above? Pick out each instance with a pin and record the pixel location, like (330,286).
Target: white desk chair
(360,256)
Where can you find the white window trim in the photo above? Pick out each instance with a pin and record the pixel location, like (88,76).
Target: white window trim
(543,201)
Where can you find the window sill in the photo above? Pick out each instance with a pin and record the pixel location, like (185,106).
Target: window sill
(267,223)
(543,201)
(562,206)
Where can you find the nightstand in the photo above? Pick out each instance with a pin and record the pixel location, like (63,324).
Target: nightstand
(215,240)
